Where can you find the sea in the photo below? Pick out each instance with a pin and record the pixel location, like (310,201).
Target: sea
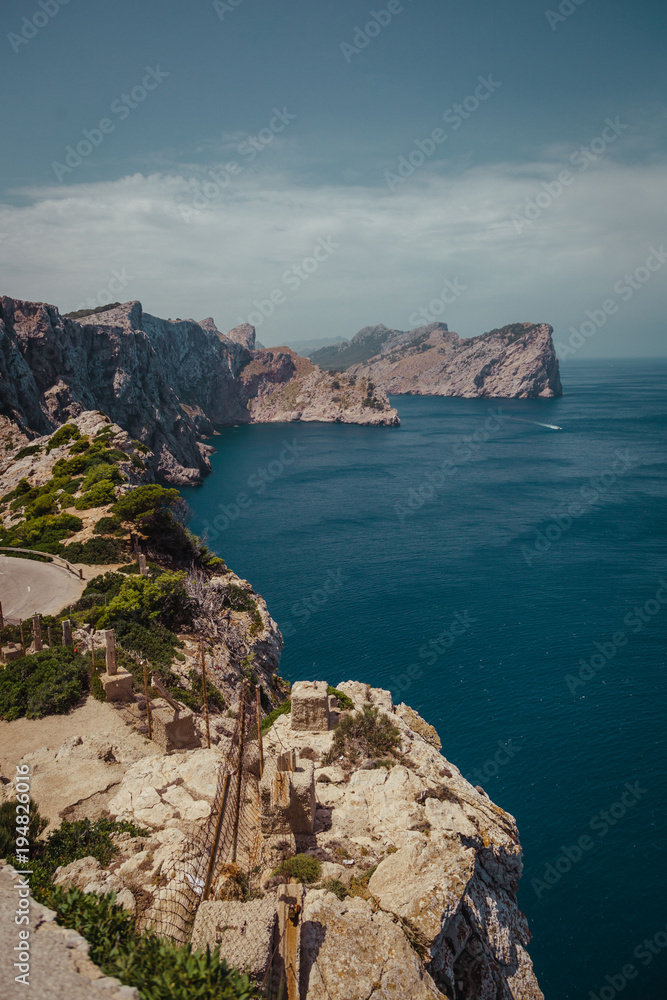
(501,566)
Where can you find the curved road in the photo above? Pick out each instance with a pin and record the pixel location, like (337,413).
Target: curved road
(27,587)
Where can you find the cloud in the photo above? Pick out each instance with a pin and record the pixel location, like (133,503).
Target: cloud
(395,249)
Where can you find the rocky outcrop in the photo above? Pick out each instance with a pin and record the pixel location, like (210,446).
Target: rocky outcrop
(167,383)
(417,894)
(350,949)
(445,864)
(517,361)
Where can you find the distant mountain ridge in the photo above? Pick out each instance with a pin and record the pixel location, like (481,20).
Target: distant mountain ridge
(308,347)
(516,361)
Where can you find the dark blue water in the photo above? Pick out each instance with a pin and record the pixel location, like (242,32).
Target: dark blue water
(532,547)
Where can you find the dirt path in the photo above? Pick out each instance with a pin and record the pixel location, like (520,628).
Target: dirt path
(93,718)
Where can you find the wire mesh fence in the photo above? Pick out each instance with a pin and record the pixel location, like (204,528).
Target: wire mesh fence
(223,860)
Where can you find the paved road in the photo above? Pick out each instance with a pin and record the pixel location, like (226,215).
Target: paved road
(27,587)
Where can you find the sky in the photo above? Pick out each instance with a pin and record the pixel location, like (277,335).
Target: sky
(314,168)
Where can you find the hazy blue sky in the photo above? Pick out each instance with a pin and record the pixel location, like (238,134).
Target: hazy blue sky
(427,148)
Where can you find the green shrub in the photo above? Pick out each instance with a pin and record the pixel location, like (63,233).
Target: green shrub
(282,709)
(158,968)
(31,449)
(107,525)
(336,886)
(8,821)
(302,867)
(97,688)
(71,842)
(43,533)
(157,643)
(96,552)
(46,683)
(364,735)
(67,432)
(144,599)
(83,444)
(99,495)
(102,472)
(343,700)
(138,463)
(71,487)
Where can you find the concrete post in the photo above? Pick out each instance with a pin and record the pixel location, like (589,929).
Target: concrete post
(111,652)
(143,569)
(50,637)
(37,633)
(67,633)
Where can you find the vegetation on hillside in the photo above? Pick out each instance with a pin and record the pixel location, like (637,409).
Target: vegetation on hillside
(79,313)
(46,683)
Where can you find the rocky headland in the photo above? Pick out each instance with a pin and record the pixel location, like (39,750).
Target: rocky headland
(166,383)
(414,894)
(516,362)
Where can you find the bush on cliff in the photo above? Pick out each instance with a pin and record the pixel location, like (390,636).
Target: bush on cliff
(161,514)
(8,821)
(365,735)
(96,552)
(159,969)
(302,867)
(70,842)
(46,683)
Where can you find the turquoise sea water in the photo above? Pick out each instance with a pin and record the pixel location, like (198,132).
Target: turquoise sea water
(512,596)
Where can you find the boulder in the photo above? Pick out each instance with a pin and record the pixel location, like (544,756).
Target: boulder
(176,790)
(244,932)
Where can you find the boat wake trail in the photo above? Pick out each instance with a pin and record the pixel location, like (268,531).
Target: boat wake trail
(536,423)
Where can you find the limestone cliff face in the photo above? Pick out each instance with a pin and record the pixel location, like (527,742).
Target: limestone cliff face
(517,361)
(165,383)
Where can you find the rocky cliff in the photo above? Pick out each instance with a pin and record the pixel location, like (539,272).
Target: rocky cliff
(418,869)
(167,383)
(517,361)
